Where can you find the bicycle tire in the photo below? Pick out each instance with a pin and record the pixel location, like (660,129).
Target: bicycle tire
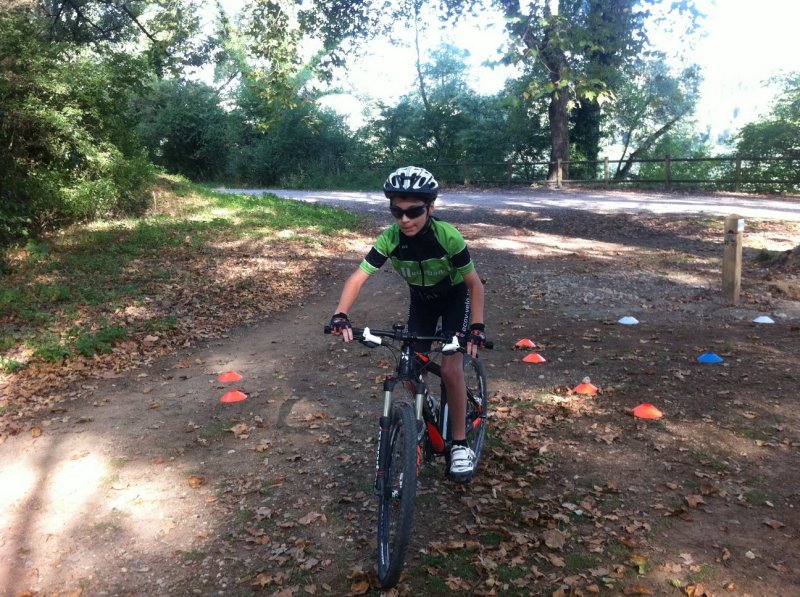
(397,501)
(477,404)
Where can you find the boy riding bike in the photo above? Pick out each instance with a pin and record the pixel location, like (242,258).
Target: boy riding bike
(432,257)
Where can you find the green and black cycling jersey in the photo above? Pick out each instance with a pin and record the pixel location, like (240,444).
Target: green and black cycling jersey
(432,262)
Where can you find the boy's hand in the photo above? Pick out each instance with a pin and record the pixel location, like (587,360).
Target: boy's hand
(476,338)
(340,324)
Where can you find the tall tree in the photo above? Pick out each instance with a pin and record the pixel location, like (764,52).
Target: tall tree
(648,107)
(776,136)
(581,50)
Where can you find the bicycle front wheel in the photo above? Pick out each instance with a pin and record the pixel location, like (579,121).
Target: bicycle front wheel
(397,500)
(477,404)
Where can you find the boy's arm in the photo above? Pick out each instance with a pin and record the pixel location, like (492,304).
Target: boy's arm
(476,301)
(350,292)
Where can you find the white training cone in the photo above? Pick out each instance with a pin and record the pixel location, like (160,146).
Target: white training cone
(628,320)
(763,319)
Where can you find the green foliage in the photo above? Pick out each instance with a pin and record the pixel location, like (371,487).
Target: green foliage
(649,107)
(456,125)
(682,142)
(70,153)
(100,342)
(184,128)
(777,138)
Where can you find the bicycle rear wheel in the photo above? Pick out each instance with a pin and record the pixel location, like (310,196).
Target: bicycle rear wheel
(477,404)
(397,500)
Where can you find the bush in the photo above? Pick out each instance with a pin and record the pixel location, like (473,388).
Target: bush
(69,151)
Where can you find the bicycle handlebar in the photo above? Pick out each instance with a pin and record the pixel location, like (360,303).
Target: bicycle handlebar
(375,336)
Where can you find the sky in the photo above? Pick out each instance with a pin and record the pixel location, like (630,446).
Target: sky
(744,43)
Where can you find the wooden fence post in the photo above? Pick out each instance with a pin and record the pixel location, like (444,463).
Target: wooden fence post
(558,173)
(510,172)
(466,175)
(605,170)
(732,258)
(668,172)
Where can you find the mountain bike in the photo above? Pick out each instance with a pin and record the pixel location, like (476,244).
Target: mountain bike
(414,429)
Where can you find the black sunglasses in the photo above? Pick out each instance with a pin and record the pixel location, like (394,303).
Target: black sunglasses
(410,213)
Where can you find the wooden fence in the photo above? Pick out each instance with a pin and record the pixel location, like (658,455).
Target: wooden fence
(735,173)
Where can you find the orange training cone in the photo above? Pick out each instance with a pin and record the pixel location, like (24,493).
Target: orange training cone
(585,388)
(525,343)
(647,411)
(229,376)
(534,357)
(233,396)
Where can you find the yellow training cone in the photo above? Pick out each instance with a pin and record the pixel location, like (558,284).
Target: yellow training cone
(534,357)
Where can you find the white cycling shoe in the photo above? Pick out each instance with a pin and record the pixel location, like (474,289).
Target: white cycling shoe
(462,463)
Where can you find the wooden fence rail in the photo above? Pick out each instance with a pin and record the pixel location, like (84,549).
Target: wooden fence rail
(737,173)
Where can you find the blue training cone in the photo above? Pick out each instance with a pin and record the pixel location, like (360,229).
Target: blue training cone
(709,357)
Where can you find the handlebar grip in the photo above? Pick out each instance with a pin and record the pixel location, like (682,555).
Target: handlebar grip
(327,329)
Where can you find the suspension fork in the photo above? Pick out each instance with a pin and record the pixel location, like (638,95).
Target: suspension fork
(382,455)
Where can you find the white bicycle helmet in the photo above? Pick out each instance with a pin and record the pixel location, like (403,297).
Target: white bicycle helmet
(412,181)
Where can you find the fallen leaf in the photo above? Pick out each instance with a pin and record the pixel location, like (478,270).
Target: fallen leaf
(694,500)
(697,590)
(309,518)
(637,590)
(241,430)
(196,481)
(554,539)
(36,431)
(640,562)
(773,524)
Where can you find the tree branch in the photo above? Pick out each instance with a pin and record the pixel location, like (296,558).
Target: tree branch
(648,143)
(136,22)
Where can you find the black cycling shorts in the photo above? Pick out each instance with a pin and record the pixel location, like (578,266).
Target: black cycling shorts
(424,314)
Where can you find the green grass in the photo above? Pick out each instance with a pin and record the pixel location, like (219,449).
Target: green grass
(765,256)
(580,562)
(707,457)
(757,497)
(702,573)
(8,365)
(216,429)
(105,267)
(456,563)
(192,556)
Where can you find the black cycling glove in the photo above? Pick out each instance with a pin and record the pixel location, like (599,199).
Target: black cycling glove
(477,334)
(340,322)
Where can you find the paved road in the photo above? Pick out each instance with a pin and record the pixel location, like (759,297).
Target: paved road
(747,206)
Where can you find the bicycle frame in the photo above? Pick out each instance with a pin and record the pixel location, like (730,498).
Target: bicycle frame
(406,432)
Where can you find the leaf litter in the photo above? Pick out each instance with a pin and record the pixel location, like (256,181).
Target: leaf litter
(573,497)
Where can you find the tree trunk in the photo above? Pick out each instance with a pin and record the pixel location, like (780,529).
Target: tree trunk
(555,60)
(559,134)
(646,145)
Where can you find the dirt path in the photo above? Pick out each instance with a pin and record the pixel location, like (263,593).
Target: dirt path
(145,484)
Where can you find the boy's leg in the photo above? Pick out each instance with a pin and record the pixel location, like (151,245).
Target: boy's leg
(455,319)
(453,377)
